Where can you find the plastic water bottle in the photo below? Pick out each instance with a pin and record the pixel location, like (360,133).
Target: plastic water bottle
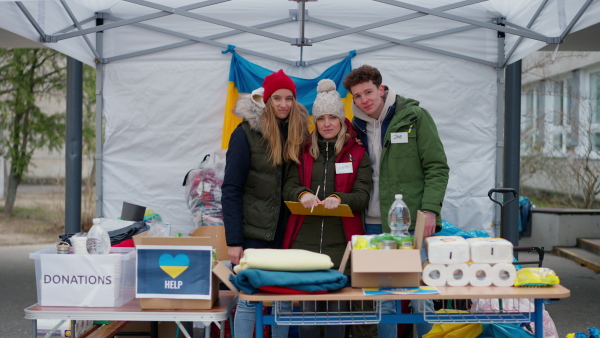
(98,241)
(399,218)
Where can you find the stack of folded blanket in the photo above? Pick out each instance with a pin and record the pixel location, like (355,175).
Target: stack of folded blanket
(286,271)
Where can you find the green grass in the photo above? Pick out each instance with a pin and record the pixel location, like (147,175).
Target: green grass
(546,199)
(28,213)
(32,221)
(543,203)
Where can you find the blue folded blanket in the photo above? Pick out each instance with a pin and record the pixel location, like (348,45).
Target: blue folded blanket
(310,281)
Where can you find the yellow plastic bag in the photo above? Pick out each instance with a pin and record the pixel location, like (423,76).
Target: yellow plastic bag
(536,277)
(454,330)
(363,243)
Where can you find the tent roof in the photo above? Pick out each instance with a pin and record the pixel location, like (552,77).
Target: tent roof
(137,28)
(583,40)
(155,55)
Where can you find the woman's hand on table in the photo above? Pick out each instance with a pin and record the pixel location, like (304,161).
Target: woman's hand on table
(235,254)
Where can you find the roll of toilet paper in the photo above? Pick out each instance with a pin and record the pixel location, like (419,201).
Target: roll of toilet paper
(504,274)
(481,274)
(434,274)
(458,274)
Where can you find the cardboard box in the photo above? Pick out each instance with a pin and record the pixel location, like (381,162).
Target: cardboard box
(216,233)
(387,268)
(213,236)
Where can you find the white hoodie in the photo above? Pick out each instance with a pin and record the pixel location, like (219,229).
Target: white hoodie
(373,214)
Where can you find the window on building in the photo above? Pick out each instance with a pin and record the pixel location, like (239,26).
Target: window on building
(547,115)
(528,117)
(596,141)
(559,102)
(568,102)
(528,110)
(595,95)
(557,141)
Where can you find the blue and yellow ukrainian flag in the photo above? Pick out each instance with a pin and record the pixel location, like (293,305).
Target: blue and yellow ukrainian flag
(245,76)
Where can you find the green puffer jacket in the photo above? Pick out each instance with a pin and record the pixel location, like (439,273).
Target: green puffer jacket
(322,234)
(261,199)
(417,169)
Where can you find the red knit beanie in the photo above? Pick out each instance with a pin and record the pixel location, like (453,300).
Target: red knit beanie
(276,81)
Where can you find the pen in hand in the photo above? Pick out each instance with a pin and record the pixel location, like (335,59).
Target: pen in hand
(319,187)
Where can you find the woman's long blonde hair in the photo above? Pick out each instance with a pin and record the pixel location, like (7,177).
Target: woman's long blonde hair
(342,138)
(285,150)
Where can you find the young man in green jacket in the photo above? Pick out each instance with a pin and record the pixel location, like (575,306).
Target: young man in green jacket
(407,157)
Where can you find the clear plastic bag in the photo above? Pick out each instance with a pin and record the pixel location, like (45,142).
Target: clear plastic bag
(159,229)
(549,327)
(203,190)
(515,305)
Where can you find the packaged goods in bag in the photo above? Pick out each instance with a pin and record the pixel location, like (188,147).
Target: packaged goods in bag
(447,249)
(490,250)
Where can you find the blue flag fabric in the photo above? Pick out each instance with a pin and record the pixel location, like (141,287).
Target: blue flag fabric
(248,76)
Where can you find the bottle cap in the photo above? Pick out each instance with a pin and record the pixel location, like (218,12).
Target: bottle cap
(398,196)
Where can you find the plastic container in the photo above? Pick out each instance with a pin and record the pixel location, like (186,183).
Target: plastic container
(85,280)
(399,218)
(98,240)
(387,245)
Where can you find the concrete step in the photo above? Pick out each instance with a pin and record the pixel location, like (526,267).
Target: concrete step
(589,244)
(581,256)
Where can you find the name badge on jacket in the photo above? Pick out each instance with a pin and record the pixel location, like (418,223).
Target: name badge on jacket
(343,168)
(401,137)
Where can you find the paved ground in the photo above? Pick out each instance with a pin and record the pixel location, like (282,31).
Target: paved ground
(577,313)
(17,289)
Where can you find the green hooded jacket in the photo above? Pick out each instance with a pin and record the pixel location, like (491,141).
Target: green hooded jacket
(413,162)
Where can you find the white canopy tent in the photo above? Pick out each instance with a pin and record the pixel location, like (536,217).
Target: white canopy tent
(162,79)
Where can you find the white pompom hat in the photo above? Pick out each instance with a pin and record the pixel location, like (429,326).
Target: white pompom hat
(328,100)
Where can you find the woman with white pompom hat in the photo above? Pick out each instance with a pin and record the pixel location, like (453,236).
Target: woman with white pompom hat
(333,169)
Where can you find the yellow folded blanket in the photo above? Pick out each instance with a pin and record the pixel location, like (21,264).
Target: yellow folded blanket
(283,260)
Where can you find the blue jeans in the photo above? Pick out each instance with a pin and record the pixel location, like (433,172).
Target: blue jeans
(245,321)
(389,306)
(331,331)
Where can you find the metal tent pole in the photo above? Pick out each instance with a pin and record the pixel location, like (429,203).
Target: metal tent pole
(500,76)
(73,150)
(512,151)
(99,108)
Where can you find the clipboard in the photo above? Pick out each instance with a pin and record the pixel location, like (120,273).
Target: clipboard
(343,210)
